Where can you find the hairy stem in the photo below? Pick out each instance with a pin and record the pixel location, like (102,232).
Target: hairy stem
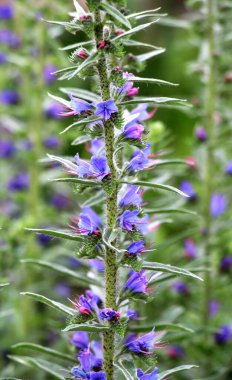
(210,127)
(110,257)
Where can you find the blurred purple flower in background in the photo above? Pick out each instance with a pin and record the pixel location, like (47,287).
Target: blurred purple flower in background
(6,11)
(229,168)
(7,148)
(53,111)
(132,314)
(51,142)
(180,287)
(80,340)
(201,134)
(213,307)
(175,352)
(188,189)
(7,37)
(218,204)
(226,263)
(190,249)
(43,240)
(9,97)
(49,77)
(63,289)
(19,182)
(3,58)
(99,265)
(60,201)
(223,335)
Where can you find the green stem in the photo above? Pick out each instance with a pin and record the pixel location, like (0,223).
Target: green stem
(210,127)
(110,257)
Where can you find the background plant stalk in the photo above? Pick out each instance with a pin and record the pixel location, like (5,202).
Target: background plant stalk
(110,256)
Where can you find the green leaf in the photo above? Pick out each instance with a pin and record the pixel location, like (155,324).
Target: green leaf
(83,280)
(78,181)
(84,64)
(65,103)
(76,45)
(134,30)
(62,234)
(174,161)
(159,327)
(45,350)
(157,101)
(144,57)
(159,267)
(140,44)
(94,200)
(81,140)
(5,284)
(80,93)
(51,368)
(148,11)
(53,304)
(151,80)
(124,371)
(170,211)
(175,23)
(115,13)
(164,374)
(85,121)
(156,186)
(86,327)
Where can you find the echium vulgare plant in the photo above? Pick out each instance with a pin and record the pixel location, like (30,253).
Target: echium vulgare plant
(108,120)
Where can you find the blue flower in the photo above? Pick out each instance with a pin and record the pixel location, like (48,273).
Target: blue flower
(226,263)
(190,248)
(132,314)
(201,134)
(89,222)
(79,374)
(86,304)
(19,182)
(9,97)
(106,109)
(135,248)
(213,307)
(6,12)
(139,159)
(83,169)
(80,340)
(3,58)
(60,201)
(98,376)
(7,148)
(130,221)
(143,345)
(132,196)
(48,74)
(134,131)
(43,240)
(137,283)
(188,189)
(99,167)
(223,335)
(9,38)
(148,376)
(218,204)
(53,111)
(51,142)
(109,314)
(96,146)
(97,264)
(175,352)
(180,287)
(77,106)
(229,168)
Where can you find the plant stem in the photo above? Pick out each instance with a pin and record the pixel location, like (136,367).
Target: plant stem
(210,127)
(110,257)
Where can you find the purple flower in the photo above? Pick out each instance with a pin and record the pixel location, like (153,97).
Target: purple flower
(218,204)
(180,287)
(98,376)
(109,314)
(3,58)
(130,221)
(226,263)
(97,167)
(19,182)
(43,240)
(97,264)
(213,307)
(143,345)
(137,283)
(86,304)
(6,12)
(223,335)
(7,148)
(84,169)
(53,111)
(106,109)
(96,146)
(201,134)
(51,142)
(229,168)
(148,376)
(79,374)
(131,197)
(188,189)
(175,352)
(48,75)
(9,97)
(89,222)
(80,340)
(60,201)
(134,131)
(76,107)
(135,248)
(63,290)
(132,314)
(9,38)
(139,159)
(190,249)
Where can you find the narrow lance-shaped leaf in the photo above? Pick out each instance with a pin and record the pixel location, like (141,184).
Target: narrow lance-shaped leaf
(78,181)
(86,327)
(148,11)
(144,57)
(83,280)
(160,327)
(170,211)
(170,269)
(80,93)
(45,350)
(157,186)
(53,304)
(114,12)
(134,30)
(62,234)
(156,100)
(163,375)
(85,121)
(76,45)
(151,80)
